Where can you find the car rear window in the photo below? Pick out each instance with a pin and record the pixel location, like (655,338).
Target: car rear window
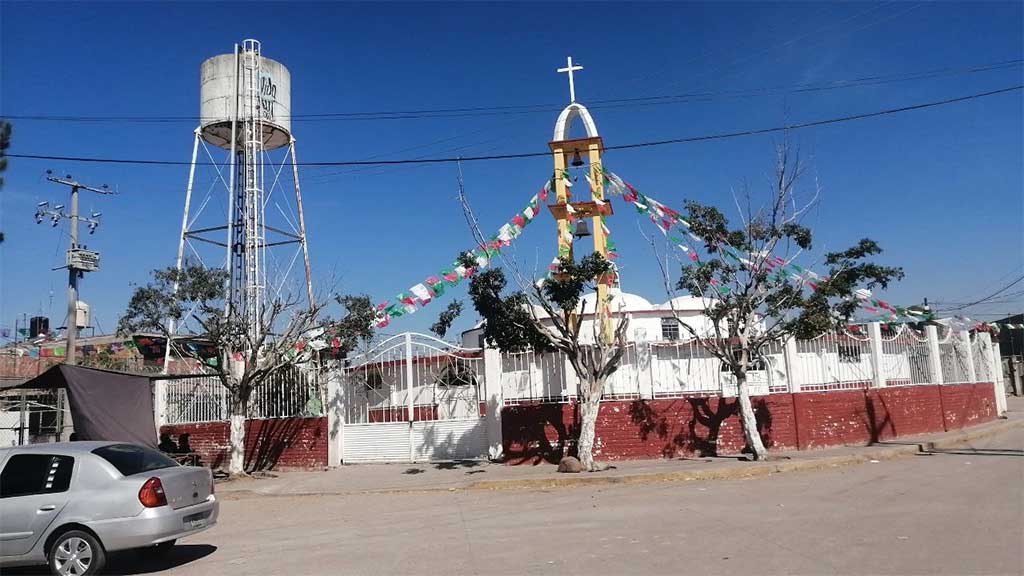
(130,459)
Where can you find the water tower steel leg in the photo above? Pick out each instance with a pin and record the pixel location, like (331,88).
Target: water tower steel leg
(229,260)
(181,244)
(302,224)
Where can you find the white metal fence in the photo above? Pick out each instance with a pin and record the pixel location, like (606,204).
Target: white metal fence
(905,355)
(835,361)
(848,359)
(535,376)
(955,358)
(412,378)
(202,398)
(412,398)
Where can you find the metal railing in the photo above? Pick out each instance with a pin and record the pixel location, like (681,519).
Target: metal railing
(413,377)
(296,392)
(845,359)
(905,355)
(419,378)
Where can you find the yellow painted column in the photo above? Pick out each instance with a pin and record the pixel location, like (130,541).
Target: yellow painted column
(562,197)
(603,311)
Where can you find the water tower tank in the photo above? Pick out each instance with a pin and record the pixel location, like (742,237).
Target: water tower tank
(217,101)
(38,325)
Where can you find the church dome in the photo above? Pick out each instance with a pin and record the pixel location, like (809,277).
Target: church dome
(687,304)
(621,302)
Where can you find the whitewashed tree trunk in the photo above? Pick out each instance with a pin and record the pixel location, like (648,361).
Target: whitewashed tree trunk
(589,408)
(748,419)
(236,460)
(239,409)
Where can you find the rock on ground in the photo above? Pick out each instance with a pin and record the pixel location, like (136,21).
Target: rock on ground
(570,464)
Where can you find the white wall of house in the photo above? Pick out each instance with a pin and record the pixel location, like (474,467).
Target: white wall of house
(647,322)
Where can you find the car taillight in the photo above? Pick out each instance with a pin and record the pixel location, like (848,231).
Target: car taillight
(152,494)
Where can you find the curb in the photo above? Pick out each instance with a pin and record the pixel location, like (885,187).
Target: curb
(876,453)
(755,470)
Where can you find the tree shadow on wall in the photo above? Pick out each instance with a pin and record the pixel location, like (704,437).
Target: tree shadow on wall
(874,426)
(702,430)
(272,438)
(529,433)
(449,450)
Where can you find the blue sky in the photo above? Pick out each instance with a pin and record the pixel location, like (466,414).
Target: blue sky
(940,189)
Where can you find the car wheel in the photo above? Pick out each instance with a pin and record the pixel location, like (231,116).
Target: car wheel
(76,553)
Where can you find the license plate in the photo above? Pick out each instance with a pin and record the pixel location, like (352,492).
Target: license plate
(197,523)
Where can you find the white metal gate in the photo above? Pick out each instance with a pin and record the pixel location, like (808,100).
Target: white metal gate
(414,398)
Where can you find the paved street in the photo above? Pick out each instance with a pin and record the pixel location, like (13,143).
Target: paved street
(959,511)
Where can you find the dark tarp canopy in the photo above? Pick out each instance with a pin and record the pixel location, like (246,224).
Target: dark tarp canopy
(104,405)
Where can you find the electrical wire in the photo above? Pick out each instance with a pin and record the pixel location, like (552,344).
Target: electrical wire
(689,139)
(987,298)
(607,103)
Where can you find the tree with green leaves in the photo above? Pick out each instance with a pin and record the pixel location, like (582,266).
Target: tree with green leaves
(246,360)
(750,301)
(446,318)
(514,323)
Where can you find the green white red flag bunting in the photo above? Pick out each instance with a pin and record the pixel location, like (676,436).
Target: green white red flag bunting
(675,228)
(418,296)
(672,224)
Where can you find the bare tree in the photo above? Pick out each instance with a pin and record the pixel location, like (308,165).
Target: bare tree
(246,359)
(753,294)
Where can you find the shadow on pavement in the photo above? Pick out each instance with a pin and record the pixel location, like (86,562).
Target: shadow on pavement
(452,465)
(974,451)
(140,562)
(135,561)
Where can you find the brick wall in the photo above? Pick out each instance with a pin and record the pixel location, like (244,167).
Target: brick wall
(906,411)
(275,443)
(632,429)
(968,405)
(832,418)
(638,429)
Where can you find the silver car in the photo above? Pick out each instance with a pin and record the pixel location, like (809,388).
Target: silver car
(68,504)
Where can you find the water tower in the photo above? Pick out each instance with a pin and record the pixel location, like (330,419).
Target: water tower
(245,133)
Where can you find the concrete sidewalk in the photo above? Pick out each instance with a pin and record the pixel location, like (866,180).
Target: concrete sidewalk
(474,475)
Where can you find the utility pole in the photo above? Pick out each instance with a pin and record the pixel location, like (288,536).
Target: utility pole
(79,260)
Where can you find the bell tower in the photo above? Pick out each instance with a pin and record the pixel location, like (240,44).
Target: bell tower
(570,153)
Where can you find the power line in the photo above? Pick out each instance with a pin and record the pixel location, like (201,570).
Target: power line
(608,103)
(689,139)
(989,297)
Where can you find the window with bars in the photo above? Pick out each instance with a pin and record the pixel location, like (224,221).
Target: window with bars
(669,329)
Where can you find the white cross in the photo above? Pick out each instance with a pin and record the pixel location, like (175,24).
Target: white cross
(570,69)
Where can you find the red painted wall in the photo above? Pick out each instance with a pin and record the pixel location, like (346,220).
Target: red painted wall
(279,443)
(968,405)
(638,429)
(401,413)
